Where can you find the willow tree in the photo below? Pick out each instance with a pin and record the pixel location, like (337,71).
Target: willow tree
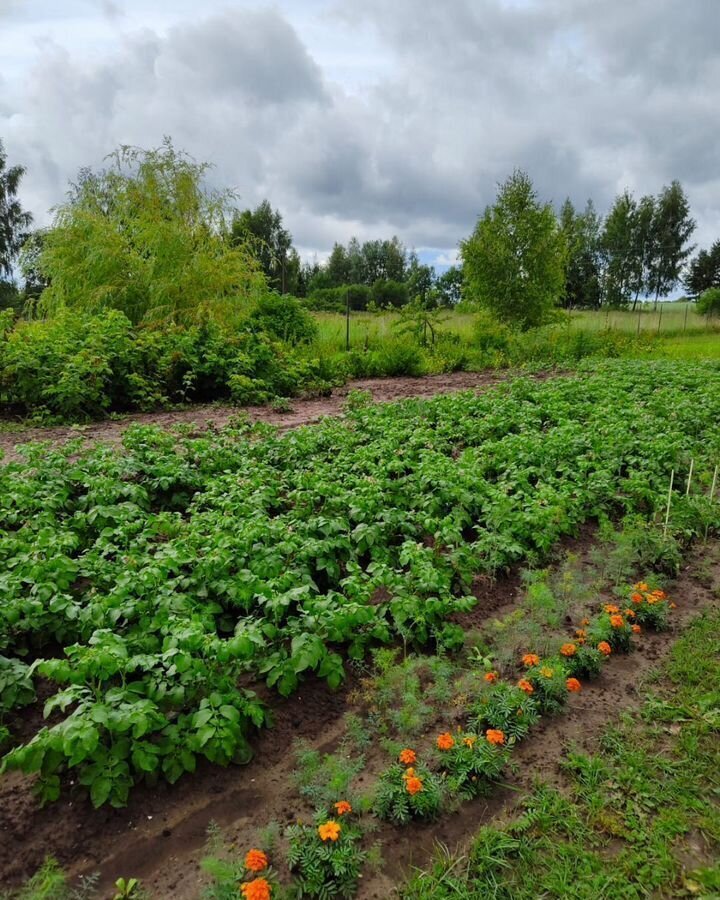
(146,237)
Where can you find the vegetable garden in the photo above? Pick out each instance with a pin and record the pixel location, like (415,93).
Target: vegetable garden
(149,592)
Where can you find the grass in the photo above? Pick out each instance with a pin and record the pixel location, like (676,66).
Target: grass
(640,818)
(675,331)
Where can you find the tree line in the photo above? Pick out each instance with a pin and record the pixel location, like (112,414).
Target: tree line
(522,259)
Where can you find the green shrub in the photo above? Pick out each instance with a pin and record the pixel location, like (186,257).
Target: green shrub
(327,867)
(283,317)
(504,707)
(709,302)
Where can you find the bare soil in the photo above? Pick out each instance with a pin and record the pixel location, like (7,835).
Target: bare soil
(159,837)
(303,412)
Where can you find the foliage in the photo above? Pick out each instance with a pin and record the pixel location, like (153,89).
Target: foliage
(283,318)
(262,231)
(325,868)
(704,271)
(637,801)
(172,571)
(144,237)
(405,793)
(709,302)
(504,707)
(78,367)
(583,287)
(14,220)
(472,764)
(548,680)
(514,262)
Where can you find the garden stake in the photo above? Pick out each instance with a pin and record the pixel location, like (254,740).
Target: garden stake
(712,494)
(687,489)
(667,511)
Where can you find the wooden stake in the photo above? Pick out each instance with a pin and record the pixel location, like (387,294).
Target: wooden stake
(712,494)
(687,489)
(667,511)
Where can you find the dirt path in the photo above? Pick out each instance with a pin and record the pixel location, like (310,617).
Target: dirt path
(303,412)
(159,837)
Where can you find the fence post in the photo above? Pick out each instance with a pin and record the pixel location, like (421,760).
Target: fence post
(347,319)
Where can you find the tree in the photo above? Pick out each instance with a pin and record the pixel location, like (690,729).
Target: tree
(449,286)
(672,227)
(514,262)
(144,236)
(582,270)
(14,225)
(642,247)
(272,245)
(420,280)
(704,271)
(616,248)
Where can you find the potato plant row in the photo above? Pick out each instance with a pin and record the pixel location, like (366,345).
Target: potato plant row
(151,587)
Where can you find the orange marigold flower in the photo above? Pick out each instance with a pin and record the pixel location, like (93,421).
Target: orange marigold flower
(573,685)
(636,629)
(495,736)
(491,677)
(617,621)
(469,741)
(673,606)
(546,672)
(580,632)
(641,586)
(342,807)
(568,649)
(661,595)
(629,613)
(525,685)
(256,860)
(636,598)
(413,785)
(530,659)
(605,648)
(611,608)
(407,757)
(258,889)
(445,741)
(329,831)
(585,622)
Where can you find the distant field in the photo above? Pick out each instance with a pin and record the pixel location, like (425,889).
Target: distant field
(684,333)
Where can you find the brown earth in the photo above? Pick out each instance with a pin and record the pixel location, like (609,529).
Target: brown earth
(159,837)
(303,412)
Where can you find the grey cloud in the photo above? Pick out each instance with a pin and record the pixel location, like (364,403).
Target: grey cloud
(589,98)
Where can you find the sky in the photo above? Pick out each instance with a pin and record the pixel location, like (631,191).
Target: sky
(373,118)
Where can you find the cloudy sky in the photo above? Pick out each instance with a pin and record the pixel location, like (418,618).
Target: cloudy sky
(373,118)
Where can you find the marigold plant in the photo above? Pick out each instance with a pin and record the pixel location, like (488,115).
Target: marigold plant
(530,659)
(471,765)
(445,741)
(525,686)
(505,707)
(573,685)
(342,807)
(407,757)
(491,677)
(406,794)
(568,650)
(636,629)
(604,648)
(325,867)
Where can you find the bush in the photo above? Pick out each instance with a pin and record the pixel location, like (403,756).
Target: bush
(78,367)
(334,299)
(709,302)
(283,317)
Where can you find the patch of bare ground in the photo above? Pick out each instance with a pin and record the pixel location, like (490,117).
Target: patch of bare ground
(303,412)
(159,837)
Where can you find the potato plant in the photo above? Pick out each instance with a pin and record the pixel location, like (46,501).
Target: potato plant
(173,572)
